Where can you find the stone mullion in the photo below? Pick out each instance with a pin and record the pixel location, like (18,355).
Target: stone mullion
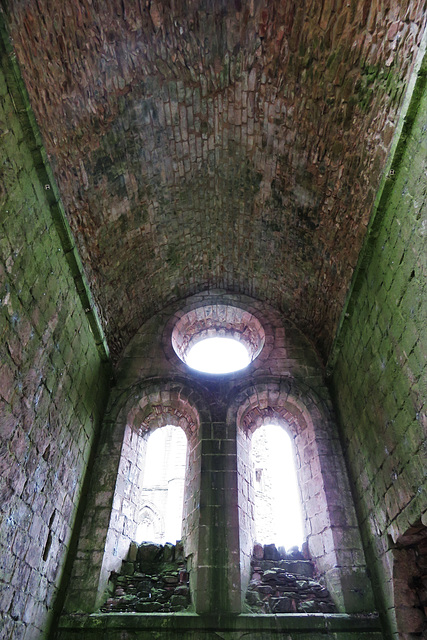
(218,554)
(191,511)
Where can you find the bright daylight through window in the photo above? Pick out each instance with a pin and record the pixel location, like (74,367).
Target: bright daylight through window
(217,338)
(218,355)
(162,492)
(278,517)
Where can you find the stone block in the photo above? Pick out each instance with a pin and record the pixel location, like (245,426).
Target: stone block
(270,552)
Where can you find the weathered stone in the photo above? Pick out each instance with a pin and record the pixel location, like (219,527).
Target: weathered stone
(148,607)
(308,606)
(282,605)
(253,598)
(270,552)
(153,590)
(312,176)
(265,589)
(149,553)
(269,576)
(128,568)
(179,601)
(169,552)
(284,592)
(133,550)
(144,148)
(179,552)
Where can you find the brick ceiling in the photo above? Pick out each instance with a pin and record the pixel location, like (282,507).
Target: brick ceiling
(217,144)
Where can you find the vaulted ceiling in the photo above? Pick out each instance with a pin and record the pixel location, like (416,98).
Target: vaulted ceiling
(217,144)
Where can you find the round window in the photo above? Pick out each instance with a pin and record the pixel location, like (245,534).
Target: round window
(218,338)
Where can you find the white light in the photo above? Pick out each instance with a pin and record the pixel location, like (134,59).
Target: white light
(162,491)
(218,355)
(278,517)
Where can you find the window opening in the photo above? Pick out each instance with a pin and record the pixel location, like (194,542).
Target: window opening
(151,526)
(218,355)
(278,515)
(217,338)
(162,491)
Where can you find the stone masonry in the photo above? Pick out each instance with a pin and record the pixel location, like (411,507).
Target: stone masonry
(218,532)
(211,139)
(154,578)
(252,166)
(284,583)
(384,339)
(53,383)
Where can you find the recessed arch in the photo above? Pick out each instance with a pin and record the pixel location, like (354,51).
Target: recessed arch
(152,407)
(328,512)
(162,406)
(211,411)
(139,409)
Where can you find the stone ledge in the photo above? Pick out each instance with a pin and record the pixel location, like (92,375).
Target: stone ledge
(300,623)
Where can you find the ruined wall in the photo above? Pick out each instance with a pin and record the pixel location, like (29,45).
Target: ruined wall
(154,388)
(52,381)
(380,374)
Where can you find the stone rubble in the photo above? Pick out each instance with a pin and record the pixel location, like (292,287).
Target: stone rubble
(284,583)
(154,579)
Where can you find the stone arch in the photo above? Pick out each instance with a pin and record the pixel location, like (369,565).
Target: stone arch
(112,501)
(148,513)
(142,403)
(146,408)
(333,537)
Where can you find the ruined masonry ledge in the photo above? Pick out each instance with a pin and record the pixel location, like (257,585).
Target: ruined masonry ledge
(305,622)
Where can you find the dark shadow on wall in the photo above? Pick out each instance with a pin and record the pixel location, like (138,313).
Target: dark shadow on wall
(410,583)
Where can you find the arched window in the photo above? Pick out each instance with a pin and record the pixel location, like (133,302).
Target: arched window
(277,501)
(162,490)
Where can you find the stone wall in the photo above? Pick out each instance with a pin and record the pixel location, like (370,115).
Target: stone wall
(154,387)
(153,578)
(285,583)
(52,380)
(380,375)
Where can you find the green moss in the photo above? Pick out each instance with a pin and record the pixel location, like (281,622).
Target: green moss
(382,359)
(173,255)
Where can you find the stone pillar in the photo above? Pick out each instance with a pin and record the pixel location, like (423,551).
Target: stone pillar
(218,559)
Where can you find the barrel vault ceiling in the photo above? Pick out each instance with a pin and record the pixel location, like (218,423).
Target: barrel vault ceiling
(217,144)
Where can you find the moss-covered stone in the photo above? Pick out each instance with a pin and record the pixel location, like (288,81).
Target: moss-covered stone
(380,389)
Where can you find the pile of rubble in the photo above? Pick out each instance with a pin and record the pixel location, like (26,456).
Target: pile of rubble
(154,579)
(284,583)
